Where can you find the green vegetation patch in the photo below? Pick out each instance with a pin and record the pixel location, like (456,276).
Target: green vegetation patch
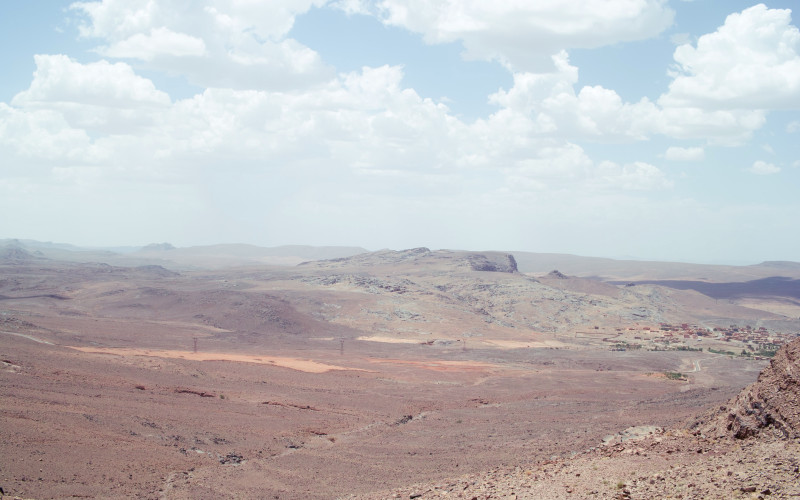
(719,351)
(767,353)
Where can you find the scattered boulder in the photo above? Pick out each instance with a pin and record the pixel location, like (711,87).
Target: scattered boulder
(231,458)
(202,394)
(404,420)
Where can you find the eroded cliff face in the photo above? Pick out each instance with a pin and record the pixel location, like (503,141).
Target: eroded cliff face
(768,407)
(492,262)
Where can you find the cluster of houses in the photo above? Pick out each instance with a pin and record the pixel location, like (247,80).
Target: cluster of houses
(684,336)
(757,336)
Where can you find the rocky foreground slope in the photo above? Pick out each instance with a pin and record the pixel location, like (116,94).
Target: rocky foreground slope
(768,408)
(748,448)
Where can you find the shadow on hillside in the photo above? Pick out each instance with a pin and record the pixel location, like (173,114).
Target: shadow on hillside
(775,286)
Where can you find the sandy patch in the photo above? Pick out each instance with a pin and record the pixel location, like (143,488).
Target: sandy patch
(304,365)
(785,307)
(390,340)
(516,344)
(503,344)
(442,366)
(191,326)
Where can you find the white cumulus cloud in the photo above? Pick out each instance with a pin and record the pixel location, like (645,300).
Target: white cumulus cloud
(60,79)
(551,105)
(675,153)
(108,97)
(38,138)
(721,91)
(752,61)
(636,176)
(293,139)
(214,43)
(523,34)
(764,168)
(159,42)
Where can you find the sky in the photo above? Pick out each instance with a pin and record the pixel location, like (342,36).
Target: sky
(647,129)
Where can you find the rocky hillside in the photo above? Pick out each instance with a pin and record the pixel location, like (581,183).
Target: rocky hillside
(15,254)
(768,407)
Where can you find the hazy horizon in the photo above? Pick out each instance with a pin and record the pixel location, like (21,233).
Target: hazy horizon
(662,130)
(133,248)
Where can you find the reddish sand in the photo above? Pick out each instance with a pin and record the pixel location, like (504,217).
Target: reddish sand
(303,365)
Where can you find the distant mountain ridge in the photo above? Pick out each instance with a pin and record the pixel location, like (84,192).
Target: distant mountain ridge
(238,255)
(17,254)
(780,286)
(157,247)
(636,270)
(781,264)
(176,258)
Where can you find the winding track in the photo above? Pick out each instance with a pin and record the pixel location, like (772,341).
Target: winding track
(29,337)
(696,364)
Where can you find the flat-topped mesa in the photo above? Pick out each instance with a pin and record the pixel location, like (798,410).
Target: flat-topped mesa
(370,259)
(157,247)
(492,262)
(411,253)
(770,407)
(424,258)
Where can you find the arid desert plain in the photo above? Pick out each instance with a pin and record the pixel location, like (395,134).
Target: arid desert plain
(233,372)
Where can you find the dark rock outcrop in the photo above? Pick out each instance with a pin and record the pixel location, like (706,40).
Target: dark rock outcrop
(496,263)
(770,407)
(157,271)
